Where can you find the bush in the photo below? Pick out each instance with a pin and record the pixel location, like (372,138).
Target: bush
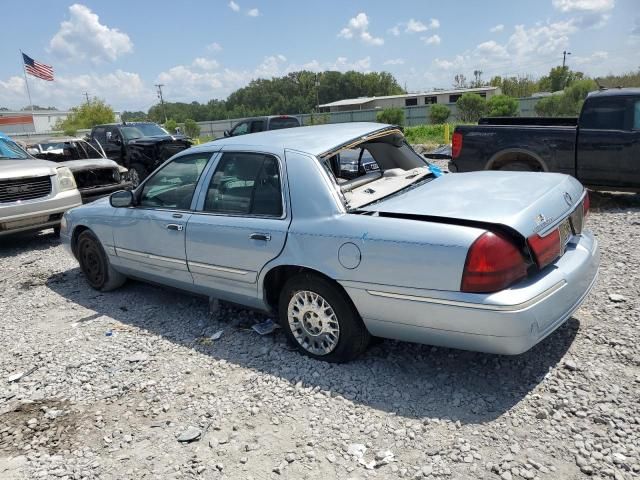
(170,126)
(439,113)
(502,106)
(191,128)
(87,115)
(471,107)
(568,103)
(393,116)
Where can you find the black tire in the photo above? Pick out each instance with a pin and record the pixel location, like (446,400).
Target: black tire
(517,167)
(95,265)
(353,337)
(137,173)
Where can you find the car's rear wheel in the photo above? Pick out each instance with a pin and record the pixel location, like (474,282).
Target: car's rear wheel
(320,320)
(95,265)
(137,173)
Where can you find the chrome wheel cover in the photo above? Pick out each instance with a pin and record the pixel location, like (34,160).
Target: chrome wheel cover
(313,322)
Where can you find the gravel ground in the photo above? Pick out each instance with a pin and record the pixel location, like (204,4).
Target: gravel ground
(130,384)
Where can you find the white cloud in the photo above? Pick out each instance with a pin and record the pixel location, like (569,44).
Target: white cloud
(497,28)
(492,49)
(205,64)
(583,5)
(457,62)
(83,36)
(395,30)
(214,47)
(120,89)
(234,6)
(414,26)
(432,40)
(394,61)
(595,58)
(358,27)
(434,23)
(254,12)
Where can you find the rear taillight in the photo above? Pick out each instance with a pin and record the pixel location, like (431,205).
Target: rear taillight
(586,204)
(493,263)
(545,249)
(456,144)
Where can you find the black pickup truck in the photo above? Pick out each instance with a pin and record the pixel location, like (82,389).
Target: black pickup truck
(139,146)
(601,147)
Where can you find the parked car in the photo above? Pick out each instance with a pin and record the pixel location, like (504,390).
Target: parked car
(139,146)
(96,176)
(600,148)
(33,193)
(261,124)
(488,261)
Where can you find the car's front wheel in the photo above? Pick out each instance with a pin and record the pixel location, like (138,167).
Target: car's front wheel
(95,265)
(320,320)
(137,173)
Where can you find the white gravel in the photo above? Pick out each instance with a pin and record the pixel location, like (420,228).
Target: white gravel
(130,385)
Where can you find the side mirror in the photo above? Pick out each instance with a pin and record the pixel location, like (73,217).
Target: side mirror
(121,199)
(227,133)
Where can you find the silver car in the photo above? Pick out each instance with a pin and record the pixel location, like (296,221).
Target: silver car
(486,261)
(33,193)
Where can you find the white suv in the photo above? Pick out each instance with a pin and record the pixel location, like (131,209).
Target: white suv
(34,194)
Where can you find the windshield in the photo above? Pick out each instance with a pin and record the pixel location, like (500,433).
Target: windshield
(65,151)
(143,130)
(11,151)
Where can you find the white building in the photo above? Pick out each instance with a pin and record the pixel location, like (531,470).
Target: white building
(407,99)
(42,121)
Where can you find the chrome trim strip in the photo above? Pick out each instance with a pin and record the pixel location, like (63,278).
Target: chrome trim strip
(480,306)
(217,268)
(149,256)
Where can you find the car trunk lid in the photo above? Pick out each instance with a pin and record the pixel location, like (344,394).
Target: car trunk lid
(528,203)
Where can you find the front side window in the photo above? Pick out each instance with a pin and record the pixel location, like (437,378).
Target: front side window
(636,115)
(241,129)
(173,185)
(245,184)
(604,113)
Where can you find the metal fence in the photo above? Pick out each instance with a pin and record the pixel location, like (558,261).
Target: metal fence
(417,115)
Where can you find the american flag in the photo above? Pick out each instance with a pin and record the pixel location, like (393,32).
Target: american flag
(37,69)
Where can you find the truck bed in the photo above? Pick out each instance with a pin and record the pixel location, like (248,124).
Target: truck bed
(531,121)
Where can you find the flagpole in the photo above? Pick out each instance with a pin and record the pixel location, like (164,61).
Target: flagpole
(26,82)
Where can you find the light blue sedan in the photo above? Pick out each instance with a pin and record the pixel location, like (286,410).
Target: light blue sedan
(486,261)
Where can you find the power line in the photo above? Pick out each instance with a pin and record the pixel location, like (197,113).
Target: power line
(86,95)
(564,57)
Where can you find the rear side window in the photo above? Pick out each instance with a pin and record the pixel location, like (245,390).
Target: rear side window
(636,115)
(604,113)
(283,122)
(245,184)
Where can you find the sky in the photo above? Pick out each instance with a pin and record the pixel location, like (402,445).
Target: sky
(199,50)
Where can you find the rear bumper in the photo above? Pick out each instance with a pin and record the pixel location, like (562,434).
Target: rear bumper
(507,322)
(36,214)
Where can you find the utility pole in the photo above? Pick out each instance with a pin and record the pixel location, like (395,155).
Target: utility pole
(164,112)
(564,57)
(86,95)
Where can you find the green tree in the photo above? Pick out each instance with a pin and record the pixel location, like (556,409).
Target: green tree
(393,116)
(568,103)
(191,128)
(439,113)
(502,106)
(471,107)
(138,116)
(170,126)
(86,115)
(558,79)
(520,86)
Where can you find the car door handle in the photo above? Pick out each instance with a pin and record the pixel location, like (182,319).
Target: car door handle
(175,226)
(265,237)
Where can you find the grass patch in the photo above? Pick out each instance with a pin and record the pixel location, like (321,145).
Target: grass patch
(428,133)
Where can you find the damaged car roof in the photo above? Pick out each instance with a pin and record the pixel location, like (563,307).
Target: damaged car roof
(315,140)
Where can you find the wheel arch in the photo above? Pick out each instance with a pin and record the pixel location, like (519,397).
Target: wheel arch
(274,279)
(516,154)
(77,230)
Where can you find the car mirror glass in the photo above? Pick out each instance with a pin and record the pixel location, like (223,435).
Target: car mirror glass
(121,199)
